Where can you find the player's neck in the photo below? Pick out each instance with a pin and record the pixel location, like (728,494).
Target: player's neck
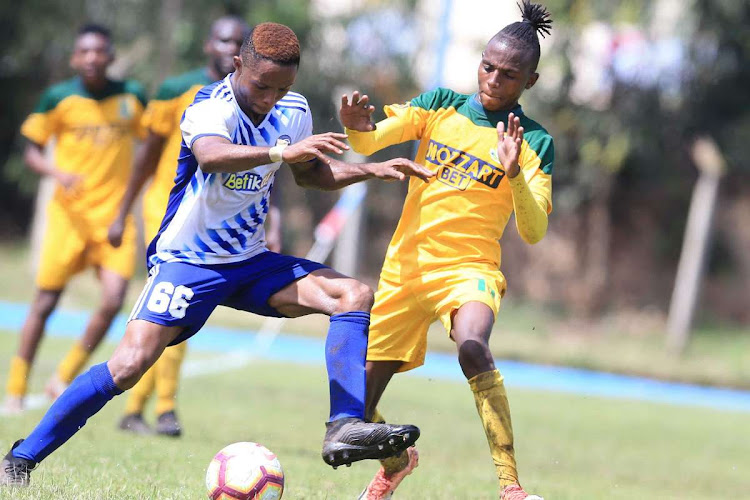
(95,85)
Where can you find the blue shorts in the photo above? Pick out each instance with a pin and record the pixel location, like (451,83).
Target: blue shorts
(184,294)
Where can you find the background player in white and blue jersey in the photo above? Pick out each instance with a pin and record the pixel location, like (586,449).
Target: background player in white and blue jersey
(210,251)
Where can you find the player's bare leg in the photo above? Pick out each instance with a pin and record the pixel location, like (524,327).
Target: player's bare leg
(471,329)
(32,331)
(349,438)
(114,287)
(139,349)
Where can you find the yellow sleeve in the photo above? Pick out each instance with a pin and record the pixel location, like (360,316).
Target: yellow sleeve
(538,181)
(139,130)
(404,122)
(40,127)
(159,117)
(531,210)
(532,197)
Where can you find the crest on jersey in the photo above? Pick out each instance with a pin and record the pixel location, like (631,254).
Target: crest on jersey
(126,109)
(283,140)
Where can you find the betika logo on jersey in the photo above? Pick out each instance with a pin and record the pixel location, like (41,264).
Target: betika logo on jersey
(457,168)
(248,182)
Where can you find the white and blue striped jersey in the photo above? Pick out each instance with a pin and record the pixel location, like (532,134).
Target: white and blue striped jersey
(216,218)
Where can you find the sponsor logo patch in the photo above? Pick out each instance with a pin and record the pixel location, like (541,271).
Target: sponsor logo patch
(457,168)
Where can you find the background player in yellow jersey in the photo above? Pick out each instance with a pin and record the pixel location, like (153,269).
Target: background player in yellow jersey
(443,261)
(94,121)
(158,161)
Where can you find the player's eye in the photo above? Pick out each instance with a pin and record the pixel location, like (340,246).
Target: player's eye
(488,68)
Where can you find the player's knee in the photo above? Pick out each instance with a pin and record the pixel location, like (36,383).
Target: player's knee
(42,309)
(474,356)
(355,297)
(127,369)
(111,305)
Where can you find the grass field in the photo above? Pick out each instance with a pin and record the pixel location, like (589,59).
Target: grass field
(568,447)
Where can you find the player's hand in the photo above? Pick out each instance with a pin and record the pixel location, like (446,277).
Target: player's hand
(314,147)
(509,144)
(358,114)
(114,234)
(69,182)
(398,169)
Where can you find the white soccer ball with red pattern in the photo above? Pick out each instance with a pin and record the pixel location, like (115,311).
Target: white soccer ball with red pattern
(245,471)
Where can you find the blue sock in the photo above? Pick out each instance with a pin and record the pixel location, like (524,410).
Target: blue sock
(346,352)
(87,395)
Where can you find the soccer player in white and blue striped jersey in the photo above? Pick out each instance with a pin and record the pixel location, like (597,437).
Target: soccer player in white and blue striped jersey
(210,251)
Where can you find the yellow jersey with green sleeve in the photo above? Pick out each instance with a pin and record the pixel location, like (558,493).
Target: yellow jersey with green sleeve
(94,135)
(458,218)
(162,117)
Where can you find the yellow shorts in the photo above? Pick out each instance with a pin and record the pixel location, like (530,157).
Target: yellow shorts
(403,312)
(154,205)
(151,226)
(71,245)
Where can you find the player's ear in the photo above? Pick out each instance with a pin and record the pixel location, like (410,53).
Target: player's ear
(532,80)
(237,61)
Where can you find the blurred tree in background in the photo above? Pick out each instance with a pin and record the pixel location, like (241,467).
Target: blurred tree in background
(626,87)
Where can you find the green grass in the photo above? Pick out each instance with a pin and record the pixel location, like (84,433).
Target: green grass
(568,447)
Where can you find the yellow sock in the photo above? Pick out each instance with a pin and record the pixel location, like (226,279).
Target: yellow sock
(395,463)
(377,417)
(18,377)
(140,392)
(73,363)
(168,377)
(494,411)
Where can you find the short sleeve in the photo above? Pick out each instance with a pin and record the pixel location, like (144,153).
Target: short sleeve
(205,118)
(159,117)
(43,123)
(305,128)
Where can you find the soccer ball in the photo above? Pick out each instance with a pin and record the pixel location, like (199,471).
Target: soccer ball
(245,471)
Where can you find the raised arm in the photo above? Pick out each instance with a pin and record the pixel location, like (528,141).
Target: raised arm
(531,210)
(365,136)
(144,166)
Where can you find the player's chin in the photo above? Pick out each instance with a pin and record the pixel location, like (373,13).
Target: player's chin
(493,103)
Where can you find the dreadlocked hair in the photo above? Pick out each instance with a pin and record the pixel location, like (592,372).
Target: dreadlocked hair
(524,34)
(271,41)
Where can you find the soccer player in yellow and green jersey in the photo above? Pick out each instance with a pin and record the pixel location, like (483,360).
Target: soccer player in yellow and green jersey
(158,161)
(443,261)
(94,122)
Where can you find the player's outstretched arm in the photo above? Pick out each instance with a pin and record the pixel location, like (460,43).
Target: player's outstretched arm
(218,154)
(334,174)
(531,214)
(144,166)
